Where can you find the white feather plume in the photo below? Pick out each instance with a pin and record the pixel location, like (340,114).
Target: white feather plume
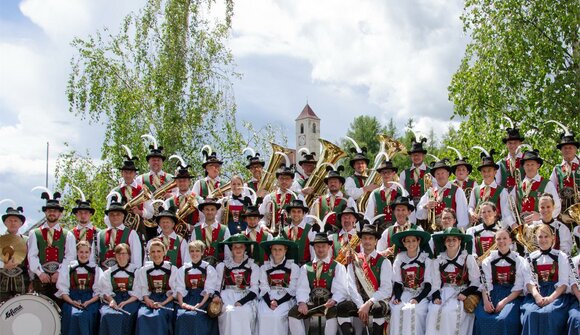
(286,158)
(378,161)
(253,195)
(329,164)
(81,192)
(416,134)
(434,157)
(375,218)
(128,151)
(457,152)
(567,131)
(181,161)
(403,190)
(252,152)
(301,150)
(206,148)
(10,201)
(509,120)
(152,139)
(110,196)
(481,149)
(525,146)
(159,201)
(44,189)
(356,146)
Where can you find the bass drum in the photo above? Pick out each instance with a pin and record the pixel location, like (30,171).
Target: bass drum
(29,314)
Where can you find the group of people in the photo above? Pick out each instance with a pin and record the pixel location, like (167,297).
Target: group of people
(420,254)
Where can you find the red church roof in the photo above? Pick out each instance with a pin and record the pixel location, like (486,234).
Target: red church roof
(307,112)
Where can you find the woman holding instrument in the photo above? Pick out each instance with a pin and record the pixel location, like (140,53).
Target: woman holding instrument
(119,311)
(504,271)
(77,287)
(196,283)
(156,283)
(483,234)
(545,307)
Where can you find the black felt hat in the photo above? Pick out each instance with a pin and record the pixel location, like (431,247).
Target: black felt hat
(255,160)
(307,158)
(18,212)
(403,201)
(285,171)
(370,229)
(441,164)
(418,146)
(209,202)
(358,156)
(487,160)
(211,159)
(321,238)
(115,206)
(331,173)
(567,138)
(386,165)
(52,203)
(512,134)
(129,164)
(83,205)
(532,155)
(167,213)
(460,162)
(296,204)
(252,211)
(349,210)
(155,152)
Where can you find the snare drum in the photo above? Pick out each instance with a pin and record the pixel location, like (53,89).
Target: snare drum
(30,314)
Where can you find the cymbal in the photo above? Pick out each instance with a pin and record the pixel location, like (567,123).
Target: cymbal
(12,247)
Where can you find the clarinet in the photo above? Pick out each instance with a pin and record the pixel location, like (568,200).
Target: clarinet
(534,274)
(483,281)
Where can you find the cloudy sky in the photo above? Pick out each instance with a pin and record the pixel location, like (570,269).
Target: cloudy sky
(386,58)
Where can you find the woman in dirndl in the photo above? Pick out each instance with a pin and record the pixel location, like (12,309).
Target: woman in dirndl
(121,302)
(196,284)
(502,287)
(278,278)
(456,281)
(574,312)
(156,282)
(412,283)
(545,307)
(238,277)
(78,287)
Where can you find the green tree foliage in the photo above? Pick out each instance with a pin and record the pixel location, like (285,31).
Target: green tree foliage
(168,73)
(523,61)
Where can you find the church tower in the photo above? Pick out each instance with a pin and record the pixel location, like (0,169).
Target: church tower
(308,131)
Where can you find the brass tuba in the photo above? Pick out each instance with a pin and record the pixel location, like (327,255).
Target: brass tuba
(159,194)
(389,146)
(330,154)
(268,180)
(132,220)
(190,206)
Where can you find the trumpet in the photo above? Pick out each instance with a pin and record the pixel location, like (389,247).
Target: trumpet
(432,216)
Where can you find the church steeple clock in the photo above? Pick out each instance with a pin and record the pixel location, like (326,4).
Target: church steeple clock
(308,130)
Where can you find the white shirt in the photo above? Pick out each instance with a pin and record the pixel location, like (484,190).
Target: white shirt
(563,233)
(106,286)
(563,267)
(550,188)
(460,203)
(315,208)
(520,269)
(254,275)
(383,242)
(554,175)
(507,216)
(339,288)
(141,285)
(266,205)
(385,283)
(472,268)
(372,204)
(351,189)
(276,294)
(403,261)
(498,172)
(184,250)
(215,225)
(63,282)
(211,282)
(70,250)
(134,243)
